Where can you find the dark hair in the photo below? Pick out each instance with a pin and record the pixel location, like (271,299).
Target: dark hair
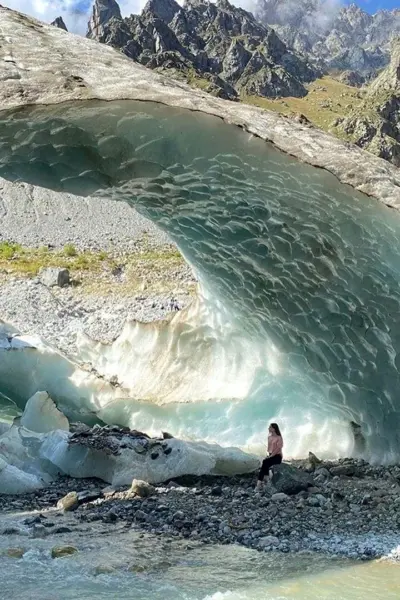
(275,426)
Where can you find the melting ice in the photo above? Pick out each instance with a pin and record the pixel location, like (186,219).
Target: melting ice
(297,316)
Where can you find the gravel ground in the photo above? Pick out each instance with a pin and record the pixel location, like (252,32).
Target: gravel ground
(356,516)
(34,217)
(57,315)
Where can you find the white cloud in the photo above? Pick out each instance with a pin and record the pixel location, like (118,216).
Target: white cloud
(74,12)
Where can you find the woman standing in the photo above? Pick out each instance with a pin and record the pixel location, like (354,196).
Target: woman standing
(275,445)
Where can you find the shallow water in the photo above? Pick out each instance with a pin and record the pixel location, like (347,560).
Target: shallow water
(148,567)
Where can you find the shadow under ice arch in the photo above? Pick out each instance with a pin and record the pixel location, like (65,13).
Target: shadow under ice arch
(298,316)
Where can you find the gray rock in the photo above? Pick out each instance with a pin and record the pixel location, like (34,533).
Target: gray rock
(39,531)
(142,488)
(268,541)
(289,480)
(348,470)
(69,502)
(140,515)
(61,530)
(341,37)
(103,11)
(279,497)
(11,531)
(375,125)
(59,22)
(53,276)
(202,41)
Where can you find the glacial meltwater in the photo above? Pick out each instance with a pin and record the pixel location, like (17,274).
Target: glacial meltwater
(121,565)
(297,319)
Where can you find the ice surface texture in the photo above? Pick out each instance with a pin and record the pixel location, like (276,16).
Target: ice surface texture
(29,459)
(299,305)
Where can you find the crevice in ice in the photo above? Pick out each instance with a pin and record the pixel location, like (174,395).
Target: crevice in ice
(298,314)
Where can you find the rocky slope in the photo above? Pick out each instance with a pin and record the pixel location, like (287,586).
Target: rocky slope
(219,47)
(340,38)
(375,124)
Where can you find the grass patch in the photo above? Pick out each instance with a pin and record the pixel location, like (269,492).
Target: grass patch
(147,268)
(195,80)
(28,261)
(8,250)
(70,250)
(327,99)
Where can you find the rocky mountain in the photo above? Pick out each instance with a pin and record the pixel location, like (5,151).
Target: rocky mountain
(217,46)
(337,37)
(103,11)
(59,22)
(375,124)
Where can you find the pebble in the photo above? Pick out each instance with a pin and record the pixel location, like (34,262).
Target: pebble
(357,516)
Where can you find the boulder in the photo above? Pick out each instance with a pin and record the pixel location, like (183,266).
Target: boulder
(54,277)
(69,502)
(61,551)
(268,541)
(14,552)
(348,470)
(289,480)
(279,497)
(142,488)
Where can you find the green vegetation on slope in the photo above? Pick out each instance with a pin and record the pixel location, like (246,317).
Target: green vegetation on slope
(147,268)
(327,100)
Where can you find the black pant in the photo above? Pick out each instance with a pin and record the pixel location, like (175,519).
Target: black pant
(267,464)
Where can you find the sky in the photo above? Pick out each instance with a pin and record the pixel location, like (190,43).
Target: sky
(76,12)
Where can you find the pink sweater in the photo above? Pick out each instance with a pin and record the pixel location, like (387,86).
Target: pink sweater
(275,444)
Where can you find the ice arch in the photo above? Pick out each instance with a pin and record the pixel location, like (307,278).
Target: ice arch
(299,307)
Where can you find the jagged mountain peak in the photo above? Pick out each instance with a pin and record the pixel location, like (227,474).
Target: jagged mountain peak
(163,9)
(103,11)
(59,23)
(199,40)
(332,34)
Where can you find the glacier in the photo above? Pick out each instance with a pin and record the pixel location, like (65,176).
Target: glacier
(298,308)
(38,447)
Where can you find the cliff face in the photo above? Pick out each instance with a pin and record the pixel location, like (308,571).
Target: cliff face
(222,48)
(103,12)
(375,125)
(343,38)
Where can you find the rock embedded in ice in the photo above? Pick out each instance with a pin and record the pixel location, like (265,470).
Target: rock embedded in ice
(42,415)
(54,277)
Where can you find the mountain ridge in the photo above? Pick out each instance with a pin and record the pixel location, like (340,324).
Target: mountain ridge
(221,46)
(336,36)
